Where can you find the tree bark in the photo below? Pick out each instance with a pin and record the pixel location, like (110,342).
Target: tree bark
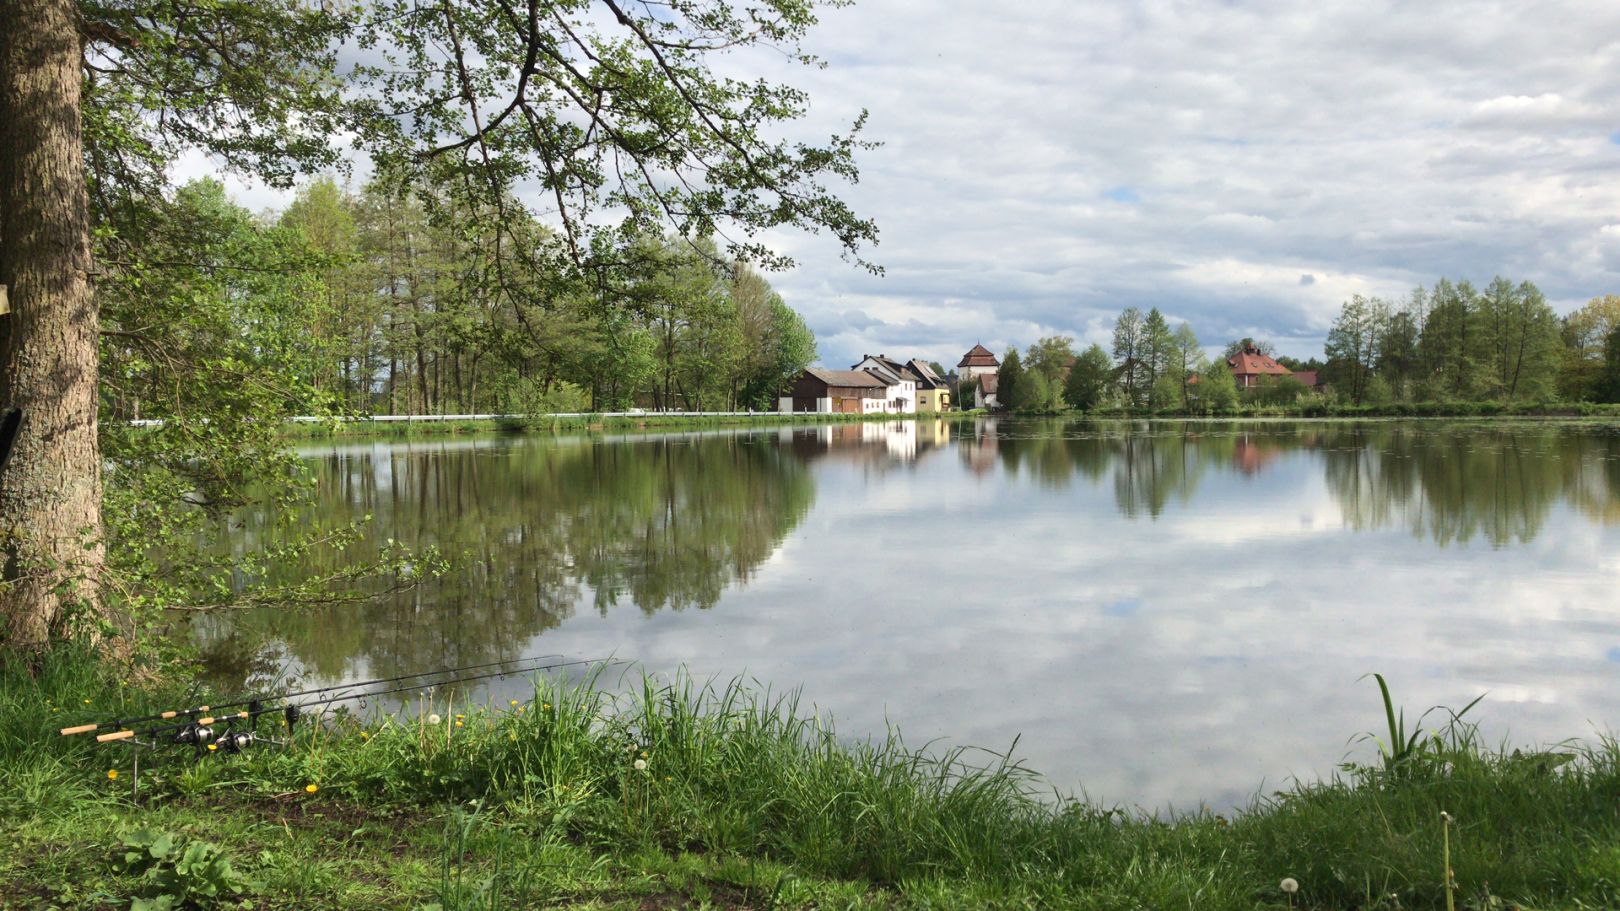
(50,493)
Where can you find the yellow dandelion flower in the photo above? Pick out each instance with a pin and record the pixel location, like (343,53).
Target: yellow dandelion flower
(212,747)
(112,774)
(514,702)
(513,737)
(87,702)
(458,724)
(310,789)
(546,706)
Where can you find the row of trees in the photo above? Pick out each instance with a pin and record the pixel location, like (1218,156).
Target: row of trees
(380,307)
(1152,366)
(1451,343)
(1457,343)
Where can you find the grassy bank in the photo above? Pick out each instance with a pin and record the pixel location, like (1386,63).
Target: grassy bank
(548,423)
(1318,407)
(681,796)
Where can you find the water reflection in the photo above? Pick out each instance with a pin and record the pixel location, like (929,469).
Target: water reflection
(1448,483)
(540,532)
(1164,612)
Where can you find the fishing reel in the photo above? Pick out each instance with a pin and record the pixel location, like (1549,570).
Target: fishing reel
(197,735)
(237,741)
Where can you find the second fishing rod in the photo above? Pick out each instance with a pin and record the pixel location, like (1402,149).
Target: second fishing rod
(293,710)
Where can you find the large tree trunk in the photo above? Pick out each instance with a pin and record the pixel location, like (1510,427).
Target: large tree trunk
(50,493)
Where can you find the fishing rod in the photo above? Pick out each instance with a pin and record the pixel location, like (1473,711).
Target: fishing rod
(205,709)
(199,731)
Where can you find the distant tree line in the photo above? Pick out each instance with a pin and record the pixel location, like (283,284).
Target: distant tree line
(1451,343)
(1457,343)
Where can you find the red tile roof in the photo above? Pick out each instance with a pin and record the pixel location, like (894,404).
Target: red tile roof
(1308,377)
(1250,362)
(988,382)
(979,356)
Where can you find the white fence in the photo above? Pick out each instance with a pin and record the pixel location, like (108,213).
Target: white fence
(428,418)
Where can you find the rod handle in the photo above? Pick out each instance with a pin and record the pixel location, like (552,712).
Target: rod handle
(115,735)
(81,729)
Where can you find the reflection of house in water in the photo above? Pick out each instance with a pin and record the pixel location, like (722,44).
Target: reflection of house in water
(876,444)
(980,452)
(1251,456)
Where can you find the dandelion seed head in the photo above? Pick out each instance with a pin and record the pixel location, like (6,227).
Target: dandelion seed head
(434,718)
(1289,885)
(641,765)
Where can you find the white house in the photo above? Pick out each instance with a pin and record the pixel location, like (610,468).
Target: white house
(984,391)
(902,398)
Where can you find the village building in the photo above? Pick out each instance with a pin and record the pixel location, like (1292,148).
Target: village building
(984,391)
(933,392)
(1250,367)
(902,384)
(977,362)
(820,391)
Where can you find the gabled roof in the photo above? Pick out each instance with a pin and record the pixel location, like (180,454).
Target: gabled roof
(988,382)
(1308,377)
(1250,362)
(925,374)
(845,377)
(979,356)
(884,372)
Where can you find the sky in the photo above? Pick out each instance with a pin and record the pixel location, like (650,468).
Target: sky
(1243,166)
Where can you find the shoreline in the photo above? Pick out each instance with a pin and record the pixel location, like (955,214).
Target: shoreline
(404,427)
(680,794)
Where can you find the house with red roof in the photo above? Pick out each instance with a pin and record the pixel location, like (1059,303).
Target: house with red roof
(1250,366)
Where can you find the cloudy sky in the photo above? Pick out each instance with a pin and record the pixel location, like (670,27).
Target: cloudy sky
(1243,166)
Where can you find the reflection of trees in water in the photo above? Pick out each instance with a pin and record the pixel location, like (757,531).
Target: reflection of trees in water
(660,523)
(1456,484)
(1447,483)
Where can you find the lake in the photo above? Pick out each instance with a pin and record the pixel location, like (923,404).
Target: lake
(1163,614)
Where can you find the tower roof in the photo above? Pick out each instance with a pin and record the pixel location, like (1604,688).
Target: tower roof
(979,356)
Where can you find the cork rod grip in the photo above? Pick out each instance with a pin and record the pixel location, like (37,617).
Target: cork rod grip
(81,729)
(115,735)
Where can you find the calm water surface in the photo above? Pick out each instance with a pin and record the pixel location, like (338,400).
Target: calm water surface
(1164,614)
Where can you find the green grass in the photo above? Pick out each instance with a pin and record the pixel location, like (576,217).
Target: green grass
(747,800)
